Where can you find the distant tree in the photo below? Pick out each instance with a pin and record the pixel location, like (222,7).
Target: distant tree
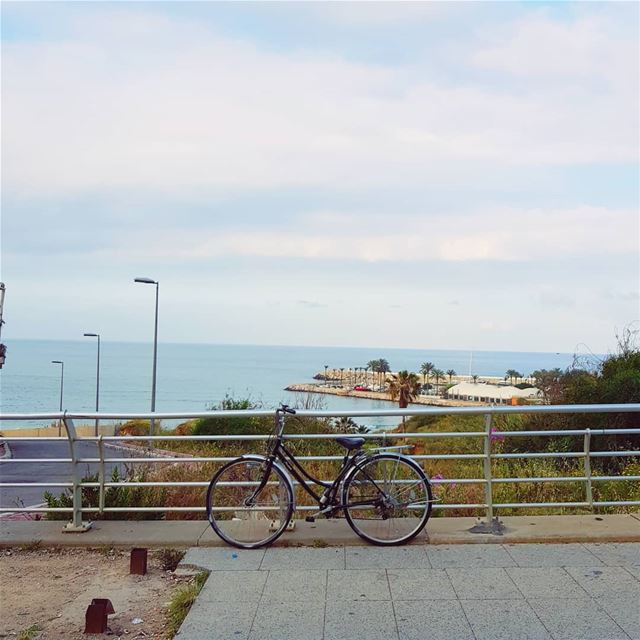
(511,374)
(380,367)
(549,381)
(475,378)
(425,369)
(345,425)
(451,373)
(404,387)
(439,375)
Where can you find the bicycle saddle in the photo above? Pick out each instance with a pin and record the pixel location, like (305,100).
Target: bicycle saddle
(350,443)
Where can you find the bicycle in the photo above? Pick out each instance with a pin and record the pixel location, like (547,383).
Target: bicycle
(386,497)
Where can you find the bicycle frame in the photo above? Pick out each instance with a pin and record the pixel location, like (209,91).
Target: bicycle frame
(328,500)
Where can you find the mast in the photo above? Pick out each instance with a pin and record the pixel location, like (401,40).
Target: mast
(3,349)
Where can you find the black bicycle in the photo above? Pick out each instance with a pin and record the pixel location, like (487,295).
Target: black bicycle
(385,497)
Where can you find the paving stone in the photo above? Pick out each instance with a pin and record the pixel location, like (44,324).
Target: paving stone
(604,581)
(223,558)
(504,620)
(483,584)
(468,556)
(351,620)
(420,584)
(354,584)
(219,620)
(296,585)
(287,620)
(617,554)
(545,582)
(551,555)
(233,586)
(624,608)
(303,558)
(410,557)
(432,620)
(634,571)
(576,619)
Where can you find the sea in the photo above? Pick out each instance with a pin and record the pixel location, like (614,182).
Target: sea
(196,377)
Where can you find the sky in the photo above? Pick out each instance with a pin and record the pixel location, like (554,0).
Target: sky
(421,175)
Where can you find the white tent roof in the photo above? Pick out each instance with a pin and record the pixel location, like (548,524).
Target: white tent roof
(483,390)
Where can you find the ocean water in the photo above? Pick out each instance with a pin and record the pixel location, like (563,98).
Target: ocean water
(191,377)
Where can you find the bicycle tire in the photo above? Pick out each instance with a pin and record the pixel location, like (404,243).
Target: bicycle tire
(359,485)
(247,523)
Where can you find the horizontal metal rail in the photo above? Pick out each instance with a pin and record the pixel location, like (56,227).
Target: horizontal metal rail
(486,439)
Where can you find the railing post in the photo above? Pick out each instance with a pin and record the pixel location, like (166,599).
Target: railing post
(491,524)
(488,485)
(76,525)
(101,474)
(587,466)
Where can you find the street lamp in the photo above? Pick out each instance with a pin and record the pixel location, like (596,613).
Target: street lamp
(326,382)
(61,390)
(155,356)
(96,335)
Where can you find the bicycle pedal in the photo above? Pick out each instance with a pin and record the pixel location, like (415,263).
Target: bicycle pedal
(309,519)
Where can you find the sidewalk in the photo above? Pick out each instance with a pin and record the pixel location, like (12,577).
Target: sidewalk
(198,533)
(415,592)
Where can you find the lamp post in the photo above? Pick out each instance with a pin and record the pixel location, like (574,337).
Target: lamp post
(155,356)
(326,382)
(96,335)
(61,390)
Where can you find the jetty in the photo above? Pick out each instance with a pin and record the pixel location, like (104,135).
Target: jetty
(434,401)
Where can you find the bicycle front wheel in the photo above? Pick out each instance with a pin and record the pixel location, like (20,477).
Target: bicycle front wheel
(387,499)
(240,514)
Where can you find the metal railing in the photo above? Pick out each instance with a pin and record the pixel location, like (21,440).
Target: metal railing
(487,435)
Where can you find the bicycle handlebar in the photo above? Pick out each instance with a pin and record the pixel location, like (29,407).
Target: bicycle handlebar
(286,409)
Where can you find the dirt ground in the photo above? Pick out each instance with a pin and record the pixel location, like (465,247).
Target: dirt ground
(51,588)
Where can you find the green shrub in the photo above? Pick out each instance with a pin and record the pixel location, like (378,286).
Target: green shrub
(113,497)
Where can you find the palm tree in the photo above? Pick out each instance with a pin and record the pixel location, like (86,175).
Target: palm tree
(512,373)
(383,367)
(341,376)
(474,378)
(404,387)
(451,373)
(438,373)
(373,365)
(425,369)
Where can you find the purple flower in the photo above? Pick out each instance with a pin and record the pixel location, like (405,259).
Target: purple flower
(496,435)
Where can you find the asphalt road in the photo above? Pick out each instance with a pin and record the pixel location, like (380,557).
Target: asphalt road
(43,471)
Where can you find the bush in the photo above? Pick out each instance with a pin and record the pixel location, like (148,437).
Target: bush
(136,428)
(233,426)
(113,497)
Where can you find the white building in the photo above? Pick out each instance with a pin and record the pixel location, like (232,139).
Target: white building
(493,393)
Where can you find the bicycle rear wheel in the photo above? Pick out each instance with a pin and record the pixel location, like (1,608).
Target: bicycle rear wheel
(387,499)
(241,517)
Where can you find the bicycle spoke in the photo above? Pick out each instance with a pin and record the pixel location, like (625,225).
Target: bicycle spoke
(387,500)
(242,504)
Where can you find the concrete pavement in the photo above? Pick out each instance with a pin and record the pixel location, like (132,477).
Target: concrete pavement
(418,592)
(12,470)
(192,533)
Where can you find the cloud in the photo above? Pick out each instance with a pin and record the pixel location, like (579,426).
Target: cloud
(310,304)
(501,235)
(556,299)
(592,46)
(131,101)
